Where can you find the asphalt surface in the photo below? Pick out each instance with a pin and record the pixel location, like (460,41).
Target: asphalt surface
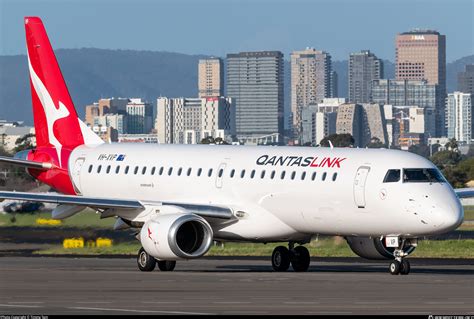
(47,285)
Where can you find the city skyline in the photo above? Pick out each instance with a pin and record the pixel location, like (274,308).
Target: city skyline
(257,26)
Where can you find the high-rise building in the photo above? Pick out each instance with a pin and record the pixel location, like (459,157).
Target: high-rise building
(466,80)
(255,81)
(139,116)
(374,125)
(189,120)
(410,93)
(459,117)
(105,106)
(421,55)
(211,77)
(364,68)
(311,82)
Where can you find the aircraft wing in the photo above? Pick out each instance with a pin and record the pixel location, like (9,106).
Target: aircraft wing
(71,204)
(94,202)
(465,192)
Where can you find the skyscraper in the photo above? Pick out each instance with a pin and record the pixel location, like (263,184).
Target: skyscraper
(211,77)
(466,80)
(364,68)
(421,55)
(459,117)
(311,75)
(255,81)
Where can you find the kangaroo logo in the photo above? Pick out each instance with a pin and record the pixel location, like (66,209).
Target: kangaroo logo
(51,112)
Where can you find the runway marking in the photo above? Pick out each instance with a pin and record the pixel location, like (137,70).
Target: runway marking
(21,306)
(144,311)
(410,312)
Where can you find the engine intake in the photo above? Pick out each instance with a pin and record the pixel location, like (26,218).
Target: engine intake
(373,248)
(176,236)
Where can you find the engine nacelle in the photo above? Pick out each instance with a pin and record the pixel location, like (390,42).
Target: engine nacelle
(176,236)
(374,248)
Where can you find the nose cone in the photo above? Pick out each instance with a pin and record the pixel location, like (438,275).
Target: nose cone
(452,215)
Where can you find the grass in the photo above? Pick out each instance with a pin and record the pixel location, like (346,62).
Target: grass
(85,219)
(331,247)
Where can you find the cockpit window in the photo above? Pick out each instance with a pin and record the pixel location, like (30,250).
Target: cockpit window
(392,176)
(422,175)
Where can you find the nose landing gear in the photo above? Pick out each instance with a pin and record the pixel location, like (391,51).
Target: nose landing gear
(400,265)
(298,257)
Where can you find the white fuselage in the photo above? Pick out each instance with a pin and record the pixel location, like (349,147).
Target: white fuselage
(351,200)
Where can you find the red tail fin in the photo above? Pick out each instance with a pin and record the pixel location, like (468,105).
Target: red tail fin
(56,121)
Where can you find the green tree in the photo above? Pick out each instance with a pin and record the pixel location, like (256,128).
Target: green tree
(375,142)
(338,140)
(24,143)
(422,150)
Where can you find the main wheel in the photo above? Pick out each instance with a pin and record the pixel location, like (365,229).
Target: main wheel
(281,258)
(395,267)
(166,265)
(405,267)
(145,261)
(300,259)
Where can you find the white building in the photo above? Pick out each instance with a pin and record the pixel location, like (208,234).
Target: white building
(459,117)
(189,120)
(139,116)
(9,134)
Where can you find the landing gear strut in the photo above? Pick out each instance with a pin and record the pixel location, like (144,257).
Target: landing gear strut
(400,265)
(298,257)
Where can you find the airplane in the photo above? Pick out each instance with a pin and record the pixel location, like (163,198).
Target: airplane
(181,198)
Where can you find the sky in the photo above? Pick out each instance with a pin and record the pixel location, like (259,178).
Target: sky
(218,27)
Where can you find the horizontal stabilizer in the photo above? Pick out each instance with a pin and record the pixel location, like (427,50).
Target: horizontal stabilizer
(465,192)
(26,163)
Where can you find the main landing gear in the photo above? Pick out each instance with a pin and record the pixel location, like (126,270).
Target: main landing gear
(148,263)
(400,265)
(298,257)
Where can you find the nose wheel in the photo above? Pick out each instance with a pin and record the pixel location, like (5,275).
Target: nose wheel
(400,266)
(298,257)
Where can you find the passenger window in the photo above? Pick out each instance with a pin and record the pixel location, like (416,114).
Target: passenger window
(252,174)
(392,176)
(189,171)
(108,169)
(90,168)
(313,176)
(117,169)
(135,171)
(272,175)
(282,176)
(221,171)
(232,173)
(143,170)
(126,169)
(180,170)
(161,170)
(303,176)
(99,168)
(242,174)
(324,176)
(153,169)
(209,173)
(334,176)
(199,172)
(170,171)
(293,175)
(262,174)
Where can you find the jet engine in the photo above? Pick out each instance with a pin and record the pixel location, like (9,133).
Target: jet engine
(176,236)
(374,248)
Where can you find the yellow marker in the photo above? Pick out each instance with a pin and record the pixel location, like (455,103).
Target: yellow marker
(73,243)
(47,221)
(103,242)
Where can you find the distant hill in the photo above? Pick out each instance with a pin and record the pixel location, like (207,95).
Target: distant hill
(94,73)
